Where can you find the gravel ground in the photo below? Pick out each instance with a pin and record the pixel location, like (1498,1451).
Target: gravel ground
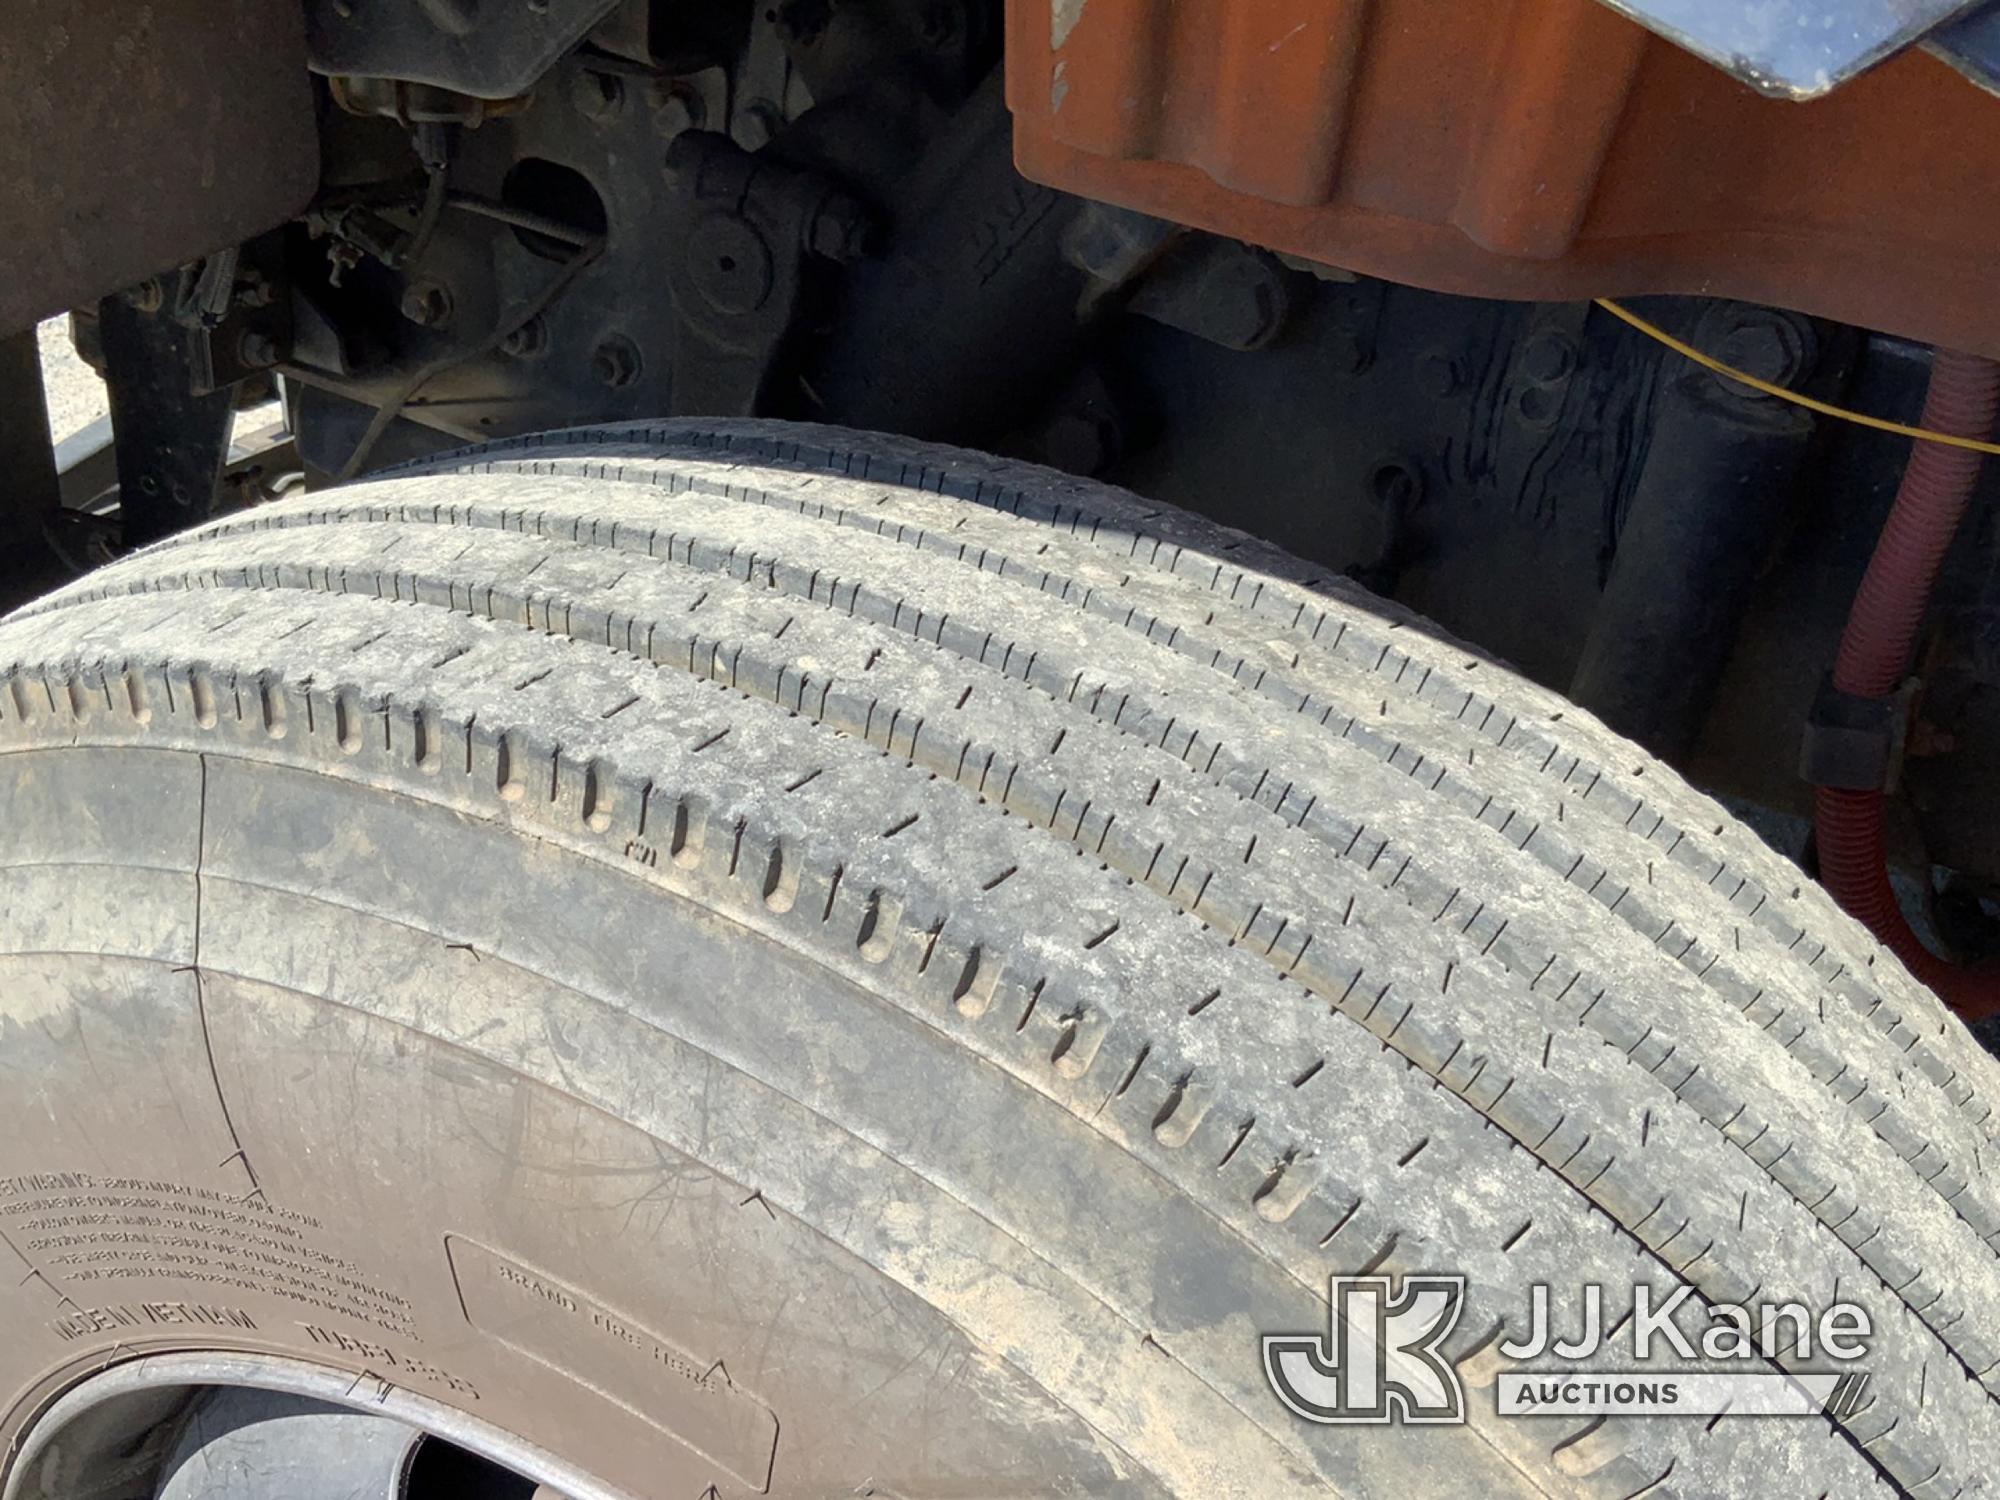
(75,394)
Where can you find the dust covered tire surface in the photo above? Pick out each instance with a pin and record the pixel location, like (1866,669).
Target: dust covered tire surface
(772,958)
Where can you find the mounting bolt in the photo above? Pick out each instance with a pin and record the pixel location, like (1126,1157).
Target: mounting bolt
(615,362)
(529,341)
(840,230)
(256,351)
(1538,405)
(1397,484)
(676,108)
(1241,302)
(1762,341)
(1082,441)
(755,125)
(1548,357)
(597,96)
(427,304)
(148,296)
(1769,348)
(253,289)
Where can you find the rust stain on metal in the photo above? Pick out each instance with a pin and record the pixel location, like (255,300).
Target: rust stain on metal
(136,137)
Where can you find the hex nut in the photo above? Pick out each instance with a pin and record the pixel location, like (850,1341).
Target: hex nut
(615,362)
(427,304)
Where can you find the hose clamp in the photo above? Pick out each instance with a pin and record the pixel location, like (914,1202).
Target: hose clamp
(1856,744)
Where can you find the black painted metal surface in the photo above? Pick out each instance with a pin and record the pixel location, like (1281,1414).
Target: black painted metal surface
(28,489)
(1971,44)
(171,442)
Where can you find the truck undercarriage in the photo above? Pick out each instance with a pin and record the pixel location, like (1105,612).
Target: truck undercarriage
(1245,388)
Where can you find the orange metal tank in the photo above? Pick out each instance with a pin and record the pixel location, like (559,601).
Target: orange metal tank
(1539,148)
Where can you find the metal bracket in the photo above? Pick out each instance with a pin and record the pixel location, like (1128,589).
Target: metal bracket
(489,52)
(171,441)
(736,262)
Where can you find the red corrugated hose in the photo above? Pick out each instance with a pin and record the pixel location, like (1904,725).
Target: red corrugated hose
(1875,653)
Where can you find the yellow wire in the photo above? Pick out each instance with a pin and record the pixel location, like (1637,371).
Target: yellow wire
(1824,408)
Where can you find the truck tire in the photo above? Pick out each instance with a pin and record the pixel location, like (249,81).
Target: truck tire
(808,964)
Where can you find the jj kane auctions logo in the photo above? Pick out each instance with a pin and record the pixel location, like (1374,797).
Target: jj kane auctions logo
(1381,1357)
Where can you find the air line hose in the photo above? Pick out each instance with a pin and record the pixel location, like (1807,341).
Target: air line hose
(1875,653)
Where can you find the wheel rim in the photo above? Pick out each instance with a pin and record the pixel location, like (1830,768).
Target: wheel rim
(117,1407)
